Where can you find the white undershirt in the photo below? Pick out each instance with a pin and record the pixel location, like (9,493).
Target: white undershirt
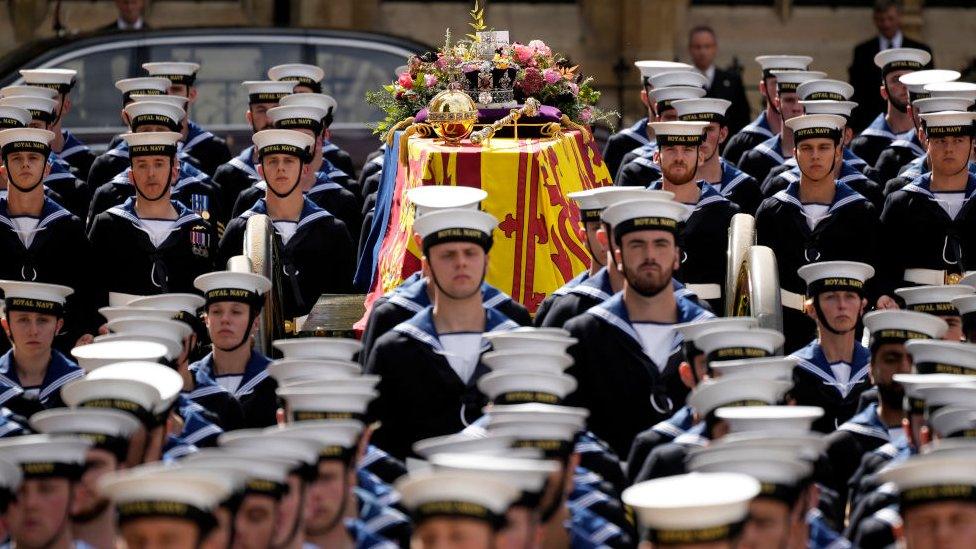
(814,213)
(230,382)
(286,230)
(951,202)
(842,372)
(32,393)
(25,227)
(158,229)
(656,341)
(462,350)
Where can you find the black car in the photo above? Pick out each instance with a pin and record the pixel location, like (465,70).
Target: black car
(354,62)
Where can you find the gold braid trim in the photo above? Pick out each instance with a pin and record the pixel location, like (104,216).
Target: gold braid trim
(566,122)
(388,136)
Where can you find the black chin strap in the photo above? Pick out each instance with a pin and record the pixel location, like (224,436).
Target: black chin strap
(10,177)
(253,311)
(433,277)
(833,164)
(166,187)
(825,324)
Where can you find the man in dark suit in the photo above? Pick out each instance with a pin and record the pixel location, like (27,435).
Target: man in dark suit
(130,16)
(863,74)
(703,47)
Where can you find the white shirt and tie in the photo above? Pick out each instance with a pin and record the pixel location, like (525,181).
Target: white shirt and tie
(887,44)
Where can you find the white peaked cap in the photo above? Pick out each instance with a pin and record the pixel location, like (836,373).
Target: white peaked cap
(33,290)
(188,303)
(693,501)
(775,367)
(161,108)
(679,78)
(917,80)
(296,70)
(28,91)
(167,382)
(287,371)
(528,474)
(911,55)
(80,421)
(431,198)
(791,420)
(691,330)
(651,67)
(940,104)
(784,62)
(825,89)
(716,393)
(157,83)
(454,219)
(96,355)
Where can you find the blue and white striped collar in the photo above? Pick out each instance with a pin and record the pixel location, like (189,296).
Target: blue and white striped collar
(922,183)
(772,148)
(50,212)
(245,162)
(59,371)
(731,177)
(879,128)
(812,359)
(596,286)
(912,144)
(706,195)
(853,159)
(638,132)
(72,145)
(310,211)
(760,125)
(414,295)
(614,312)
(867,423)
(843,196)
(196,135)
(421,327)
(575,281)
(127,211)
(255,371)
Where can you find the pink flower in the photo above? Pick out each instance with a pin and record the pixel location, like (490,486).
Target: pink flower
(586,114)
(540,48)
(441,62)
(532,82)
(552,76)
(522,53)
(430,80)
(573,88)
(405,80)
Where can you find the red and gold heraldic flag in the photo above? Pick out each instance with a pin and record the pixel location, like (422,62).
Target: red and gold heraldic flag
(537,247)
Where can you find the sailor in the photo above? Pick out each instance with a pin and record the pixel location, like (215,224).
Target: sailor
(762,158)
(415,293)
(429,365)
(929,224)
(92,516)
(693,370)
(850,169)
(241,172)
(722,175)
(321,185)
(920,164)
(108,164)
(633,137)
(631,335)
(637,167)
(880,422)
(160,506)
(813,219)
(39,512)
(209,149)
(234,301)
(67,146)
(768,123)
(934,493)
(307,233)
(693,511)
(308,79)
(708,214)
(966,305)
(31,372)
(40,237)
(447,506)
(832,370)
(192,187)
(151,244)
(71,191)
(902,151)
(896,122)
